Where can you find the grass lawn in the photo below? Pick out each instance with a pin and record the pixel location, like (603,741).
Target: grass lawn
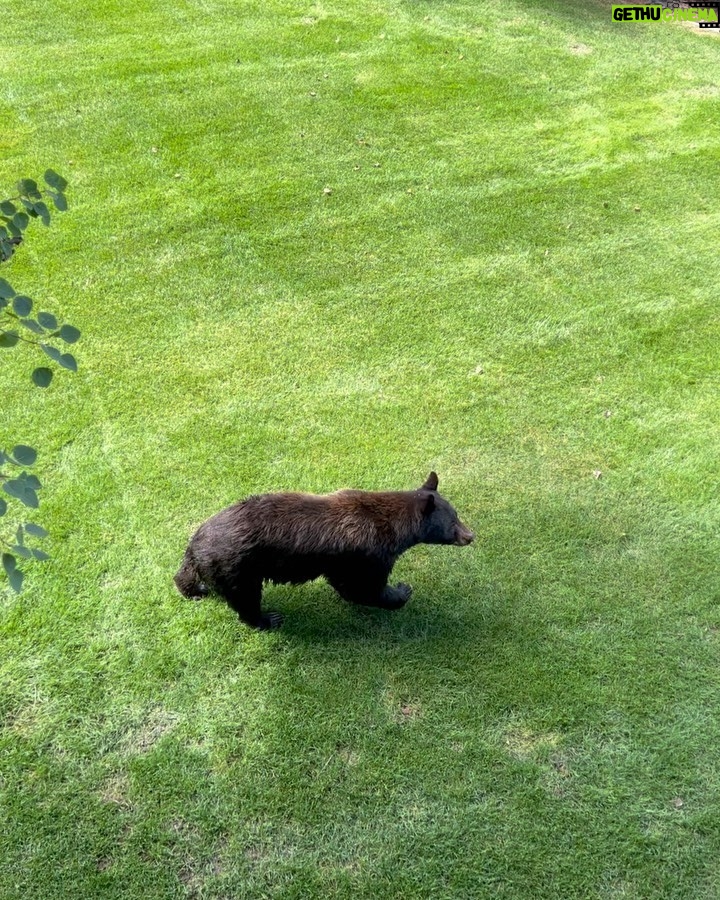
(314,246)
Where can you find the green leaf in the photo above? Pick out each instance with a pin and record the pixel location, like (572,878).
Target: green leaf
(24,455)
(21,490)
(32,481)
(3,507)
(16,580)
(70,334)
(42,210)
(14,230)
(8,208)
(26,495)
(53,180)
(47,320)
(51,351)
(35,530)
(5,290)
(42,377)
(22,305)
(28,188)
(15,576)
(59,201)
(8,339)
(68,361)
(33,326)
(25,552)
(40,554)
(20,220)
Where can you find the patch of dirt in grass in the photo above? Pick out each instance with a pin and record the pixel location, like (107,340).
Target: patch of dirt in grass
(256,854)
(115,791)
(311,19)
(192,872)
(184,829)
(580,49)
(348,756)
(401,710)
(707,90)
(525,744)
(542,748)
(407,711)
(24,720)
(260,856)
(158,722)
(618,890)
(558,774)
(191,879)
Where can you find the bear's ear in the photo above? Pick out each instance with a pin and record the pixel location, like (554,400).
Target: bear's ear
(431,484)
(427,502)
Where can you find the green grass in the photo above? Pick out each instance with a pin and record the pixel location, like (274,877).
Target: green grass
(512,281)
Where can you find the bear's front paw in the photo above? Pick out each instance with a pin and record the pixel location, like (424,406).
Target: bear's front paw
(396,597)
(269,621)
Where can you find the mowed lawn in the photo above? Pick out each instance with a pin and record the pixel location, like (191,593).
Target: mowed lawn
(313,246)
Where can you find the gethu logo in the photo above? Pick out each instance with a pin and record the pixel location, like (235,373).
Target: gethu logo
(703,12)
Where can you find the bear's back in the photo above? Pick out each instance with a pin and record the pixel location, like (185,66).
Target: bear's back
(347,521)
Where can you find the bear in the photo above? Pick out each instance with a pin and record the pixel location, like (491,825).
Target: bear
(350,537)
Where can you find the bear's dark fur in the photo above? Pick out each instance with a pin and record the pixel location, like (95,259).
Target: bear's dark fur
(353,538)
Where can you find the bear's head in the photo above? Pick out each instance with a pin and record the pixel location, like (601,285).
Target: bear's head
(440,522)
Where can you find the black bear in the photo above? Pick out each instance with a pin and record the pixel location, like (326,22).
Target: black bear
(353,538)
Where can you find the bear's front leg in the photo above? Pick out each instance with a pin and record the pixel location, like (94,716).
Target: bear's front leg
(366,584)
(395,597)
(245,598)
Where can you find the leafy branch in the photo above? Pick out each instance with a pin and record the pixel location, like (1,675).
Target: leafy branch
(16,213)
(19,327)
(15,311)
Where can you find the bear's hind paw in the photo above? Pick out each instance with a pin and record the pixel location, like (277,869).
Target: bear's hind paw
(403,591)
(269,621)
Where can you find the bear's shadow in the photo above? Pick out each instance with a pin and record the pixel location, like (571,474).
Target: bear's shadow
(314,614)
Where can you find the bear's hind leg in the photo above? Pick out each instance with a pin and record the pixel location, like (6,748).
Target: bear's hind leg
(245,598)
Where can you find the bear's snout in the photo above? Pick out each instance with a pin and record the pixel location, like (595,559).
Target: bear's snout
(463,536)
